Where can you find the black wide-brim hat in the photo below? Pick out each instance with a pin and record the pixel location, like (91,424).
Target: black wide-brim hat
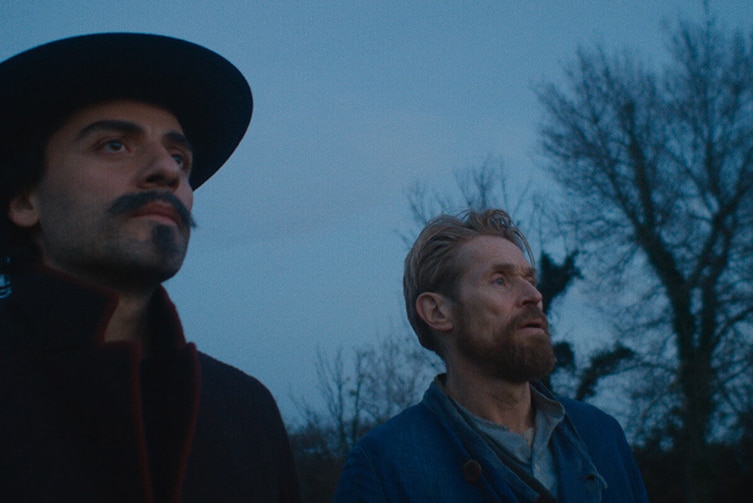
(209,96)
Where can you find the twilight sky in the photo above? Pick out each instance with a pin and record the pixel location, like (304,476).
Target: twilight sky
(297,247)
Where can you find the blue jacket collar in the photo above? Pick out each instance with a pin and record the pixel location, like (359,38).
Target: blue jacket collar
(579,479)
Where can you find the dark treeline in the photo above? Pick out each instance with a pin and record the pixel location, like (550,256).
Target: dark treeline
(653,216)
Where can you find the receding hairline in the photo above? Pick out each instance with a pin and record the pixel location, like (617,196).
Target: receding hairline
(466,253)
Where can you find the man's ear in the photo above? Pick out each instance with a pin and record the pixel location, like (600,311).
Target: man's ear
(22,210)
(436,311)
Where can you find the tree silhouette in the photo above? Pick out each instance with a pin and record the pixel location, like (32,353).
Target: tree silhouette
(657,166)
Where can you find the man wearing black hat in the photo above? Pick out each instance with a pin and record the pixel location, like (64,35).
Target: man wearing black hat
(104,139)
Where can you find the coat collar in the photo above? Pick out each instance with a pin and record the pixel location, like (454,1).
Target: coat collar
(579,480)
(51,311)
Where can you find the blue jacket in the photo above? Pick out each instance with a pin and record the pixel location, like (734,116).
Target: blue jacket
(429,453)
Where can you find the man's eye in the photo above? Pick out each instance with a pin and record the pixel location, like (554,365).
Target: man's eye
(183,161)
(501,281)
(113,146)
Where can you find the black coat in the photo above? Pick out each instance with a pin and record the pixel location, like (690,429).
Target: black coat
(87,421)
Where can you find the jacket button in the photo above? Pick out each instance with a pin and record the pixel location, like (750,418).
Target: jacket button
(472,471)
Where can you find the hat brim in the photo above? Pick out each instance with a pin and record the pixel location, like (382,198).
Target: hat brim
(209,96)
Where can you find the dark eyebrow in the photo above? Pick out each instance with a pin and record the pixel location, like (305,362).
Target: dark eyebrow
(179,140)
(110,125)
(128,127)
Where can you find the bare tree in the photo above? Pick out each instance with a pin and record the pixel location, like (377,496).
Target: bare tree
(478,187)
(658,171)
(358,392)
(397,371)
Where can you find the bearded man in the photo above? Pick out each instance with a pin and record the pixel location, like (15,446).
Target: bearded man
(487,430)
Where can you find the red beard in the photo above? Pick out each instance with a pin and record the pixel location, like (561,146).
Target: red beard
(510,356)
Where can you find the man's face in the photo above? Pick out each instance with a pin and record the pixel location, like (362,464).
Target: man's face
(499,324)
(113,205)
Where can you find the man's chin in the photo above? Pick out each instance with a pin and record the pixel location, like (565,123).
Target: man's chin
(520,363)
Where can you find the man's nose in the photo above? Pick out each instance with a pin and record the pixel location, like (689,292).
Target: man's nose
(161,169)
(529,293)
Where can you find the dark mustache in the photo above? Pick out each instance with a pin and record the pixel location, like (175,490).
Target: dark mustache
(129,203)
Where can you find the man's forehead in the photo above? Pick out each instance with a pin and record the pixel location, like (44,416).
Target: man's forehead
(484,252)
(135,112)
